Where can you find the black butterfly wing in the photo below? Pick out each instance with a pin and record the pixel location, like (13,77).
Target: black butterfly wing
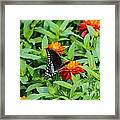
(54,62)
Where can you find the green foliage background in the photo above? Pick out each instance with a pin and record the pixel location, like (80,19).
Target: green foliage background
(35,35)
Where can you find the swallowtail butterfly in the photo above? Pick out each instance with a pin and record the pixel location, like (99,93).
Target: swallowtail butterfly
(54,63)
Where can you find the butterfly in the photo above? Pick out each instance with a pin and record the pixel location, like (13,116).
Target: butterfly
(54,63)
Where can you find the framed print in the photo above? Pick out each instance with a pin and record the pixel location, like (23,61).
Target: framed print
(60,59)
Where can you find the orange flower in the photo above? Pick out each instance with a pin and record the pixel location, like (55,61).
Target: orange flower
(83,26)
(71,68)
(74,67)
(23,98)
(94,23)
(57,47)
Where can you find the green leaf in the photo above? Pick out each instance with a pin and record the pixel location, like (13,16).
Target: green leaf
(75,78)
(29,56)
(74,87)
(38,96)
(22,87)
(97,50)
(80,44)
(77,22)
(27,53)
(44,42)
(63,84)
(24,79)
(70,54)
(35,40)
(46,24)
(85,87)
(53,27)
(51,89)
(42,89)
(30,69)
(87,41)
(45,32)
(97,85)
(76,95)
(21,44)
(34,23)
(72,33)
(33,86)
(74,36)
(63,39)
(91,60)
(82,60)
(22,67)
(67,32)
(31,51)
(94,74)
(63,97)
(64,25)
(41,67)
(86,97)
(59,22)
(90,30)
(27,45)
(26,29)
(33,96)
